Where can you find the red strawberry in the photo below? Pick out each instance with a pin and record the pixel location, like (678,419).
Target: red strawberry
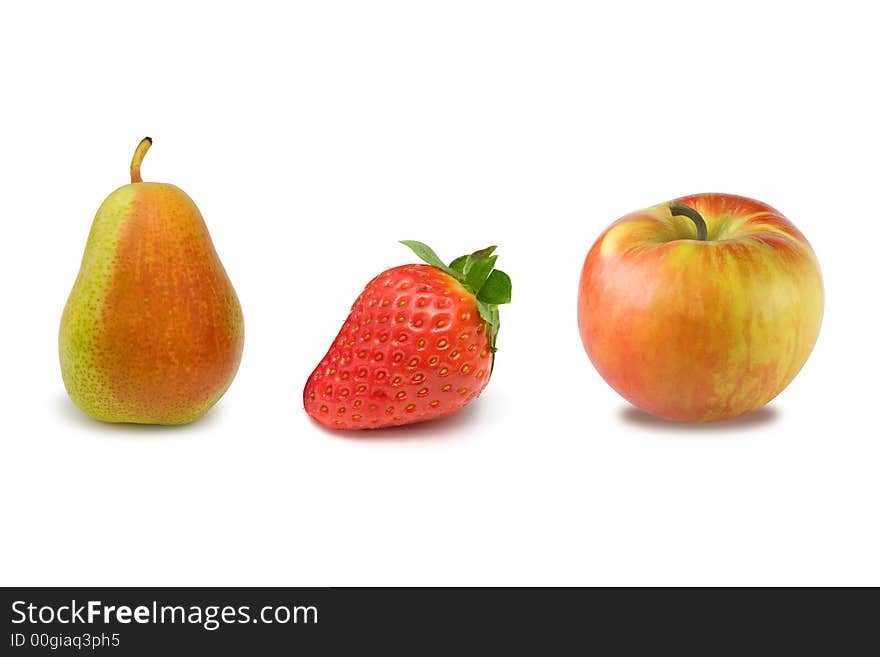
(418,344)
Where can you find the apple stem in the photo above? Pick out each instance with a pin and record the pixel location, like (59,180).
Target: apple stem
(138,157)
(677,209)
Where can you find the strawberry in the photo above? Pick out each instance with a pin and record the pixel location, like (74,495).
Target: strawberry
(418,344)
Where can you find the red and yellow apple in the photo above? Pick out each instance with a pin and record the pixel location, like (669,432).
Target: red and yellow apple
(700,309)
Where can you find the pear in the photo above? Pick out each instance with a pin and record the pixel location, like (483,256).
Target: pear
(152,332)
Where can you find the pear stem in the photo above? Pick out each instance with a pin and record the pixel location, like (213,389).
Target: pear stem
(139,153)
(677,208)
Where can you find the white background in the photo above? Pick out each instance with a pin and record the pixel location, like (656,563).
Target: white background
(315,135)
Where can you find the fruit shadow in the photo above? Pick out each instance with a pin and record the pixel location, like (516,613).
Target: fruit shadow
(764,416)
(68,410)
(442,429)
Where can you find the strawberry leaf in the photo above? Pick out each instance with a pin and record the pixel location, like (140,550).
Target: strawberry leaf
(485,311)
(427,254)
(459,263)
(482,254)
(479,271)
(497,289)
(463,264)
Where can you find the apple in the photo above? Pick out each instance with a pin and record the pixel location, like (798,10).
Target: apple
(700,309)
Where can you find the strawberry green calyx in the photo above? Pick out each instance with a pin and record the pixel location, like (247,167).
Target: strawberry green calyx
(477,274)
